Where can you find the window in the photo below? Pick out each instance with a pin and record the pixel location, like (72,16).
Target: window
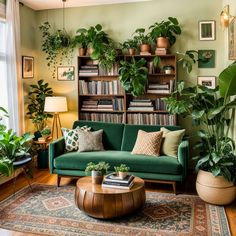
(3,79)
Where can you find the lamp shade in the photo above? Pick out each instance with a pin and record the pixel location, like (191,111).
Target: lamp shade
(55,104)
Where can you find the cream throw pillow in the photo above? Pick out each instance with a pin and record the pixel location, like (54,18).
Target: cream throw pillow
(148,143)
(90,141)
(171,141)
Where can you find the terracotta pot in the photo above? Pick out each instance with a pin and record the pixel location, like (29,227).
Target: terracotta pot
(145,47)
(90,51)
(82,51)
(97,177)
(163,42)
(215,190)
(131,51)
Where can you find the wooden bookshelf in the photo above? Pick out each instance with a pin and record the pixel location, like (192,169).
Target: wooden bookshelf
(98,88)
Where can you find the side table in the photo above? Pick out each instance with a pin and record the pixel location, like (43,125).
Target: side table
(42,159)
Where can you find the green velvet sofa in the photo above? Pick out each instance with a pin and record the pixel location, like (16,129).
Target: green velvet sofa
(118,141)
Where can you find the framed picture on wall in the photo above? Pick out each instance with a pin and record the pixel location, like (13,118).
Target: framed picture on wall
(207,58)
(207,30)
(27,67)
(232,39)
(208,81)
(65,73)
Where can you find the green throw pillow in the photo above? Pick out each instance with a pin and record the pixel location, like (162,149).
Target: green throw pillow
(71,137)
(90,141)
(171,141)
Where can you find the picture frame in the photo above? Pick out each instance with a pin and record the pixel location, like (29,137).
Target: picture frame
(207,58)
(207,30)
(65,73)
(208,81)
(232,39)
(27,67)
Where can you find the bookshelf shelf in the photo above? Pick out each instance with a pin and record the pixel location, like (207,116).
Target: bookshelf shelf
(105,90)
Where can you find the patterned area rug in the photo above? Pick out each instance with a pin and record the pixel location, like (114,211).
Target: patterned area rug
(49,210)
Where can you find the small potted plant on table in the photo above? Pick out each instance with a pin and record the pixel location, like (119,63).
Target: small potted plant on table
(97,171)
(122,170)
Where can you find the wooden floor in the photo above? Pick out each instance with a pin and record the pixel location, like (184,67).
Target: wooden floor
(43,176)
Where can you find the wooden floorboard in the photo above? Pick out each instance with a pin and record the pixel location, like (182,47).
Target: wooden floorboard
(43,176)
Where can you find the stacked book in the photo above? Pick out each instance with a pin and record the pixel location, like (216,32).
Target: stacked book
(89,105)
(141,105)
(158,88)
(104,117)
(88,70)
(161,51)
(160,104)
(105,105)
(114,181)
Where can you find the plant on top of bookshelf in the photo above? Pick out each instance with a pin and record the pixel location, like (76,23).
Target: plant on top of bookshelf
(131,45)
(57,44)
(165,29)
(133,76)
(81,39)
(143,39)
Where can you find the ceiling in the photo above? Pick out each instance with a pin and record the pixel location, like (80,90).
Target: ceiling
(52,4)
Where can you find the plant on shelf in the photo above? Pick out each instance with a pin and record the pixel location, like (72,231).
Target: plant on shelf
(133,76)
(131,45)
(37,96)
(57,44)
(213,110)
(122,170)
(45,132)
(12,147)
(165,30)
(97,171)
(168,69)
(143,39)
(156,64)
(81,39)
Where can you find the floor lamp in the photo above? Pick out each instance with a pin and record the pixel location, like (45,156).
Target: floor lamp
(55,105)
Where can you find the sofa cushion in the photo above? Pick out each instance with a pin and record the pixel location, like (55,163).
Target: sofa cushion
(148,143)
(112,133)
(90,141)
(131,131)
(171,141)
(137,163)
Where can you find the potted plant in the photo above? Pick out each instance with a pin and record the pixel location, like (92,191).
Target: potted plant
(165,32)
(97,171)
(12,147)
(81,39)
(45,132)
(122,170)
(131,45)
(144,40)
(133,76)
(213,110)
(168,69)
(57,44)
(36,113)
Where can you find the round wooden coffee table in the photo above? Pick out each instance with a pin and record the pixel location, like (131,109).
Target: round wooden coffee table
(106,203)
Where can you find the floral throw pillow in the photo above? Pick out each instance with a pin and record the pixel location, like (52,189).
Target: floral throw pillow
(71,137)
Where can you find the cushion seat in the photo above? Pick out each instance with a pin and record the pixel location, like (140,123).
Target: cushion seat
(137,163)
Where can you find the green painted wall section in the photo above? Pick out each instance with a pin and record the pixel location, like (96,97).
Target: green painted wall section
(3,1)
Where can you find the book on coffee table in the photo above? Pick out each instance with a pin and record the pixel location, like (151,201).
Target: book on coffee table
(114,178)
(117,185)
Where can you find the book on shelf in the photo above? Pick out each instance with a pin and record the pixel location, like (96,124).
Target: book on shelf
(88,74)
(161,51)
(113,177)
(157,91)
(104,185)
(145,53)
(140,108)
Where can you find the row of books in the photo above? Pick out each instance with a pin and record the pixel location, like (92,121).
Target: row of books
(100,87)
(158,88)
(110,72)
(141,105)
(151,119)
(104,117)
(88,70)
(114,181)
(116,104)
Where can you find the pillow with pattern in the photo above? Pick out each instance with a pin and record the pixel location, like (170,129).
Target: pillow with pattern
(71,137)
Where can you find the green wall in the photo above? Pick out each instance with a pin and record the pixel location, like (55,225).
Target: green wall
(3,1)
(120,21)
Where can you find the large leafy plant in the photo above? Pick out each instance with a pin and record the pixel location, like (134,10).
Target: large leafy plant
(37,96)
(213,110)
(168,29)
(141,37)
(133,76)
(57,44)
(12,147)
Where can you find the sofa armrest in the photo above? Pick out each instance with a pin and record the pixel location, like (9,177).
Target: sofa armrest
(183,156)
(56,148)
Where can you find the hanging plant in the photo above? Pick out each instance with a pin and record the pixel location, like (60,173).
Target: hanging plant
(58,45)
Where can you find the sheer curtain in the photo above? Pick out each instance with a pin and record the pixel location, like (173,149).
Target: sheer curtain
(13,67)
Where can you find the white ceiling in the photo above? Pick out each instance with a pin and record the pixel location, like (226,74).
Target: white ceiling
(53,4)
